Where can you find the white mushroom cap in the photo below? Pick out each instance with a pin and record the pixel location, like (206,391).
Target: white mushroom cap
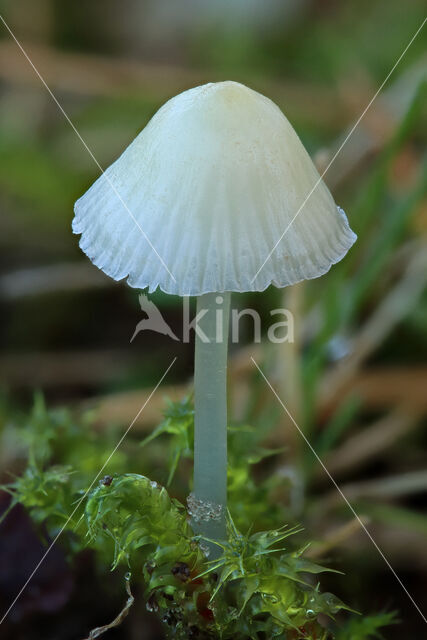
(203,194)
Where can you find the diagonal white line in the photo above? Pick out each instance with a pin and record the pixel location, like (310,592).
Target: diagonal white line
(86,492)
(52,95)
(346,139)
(337,487)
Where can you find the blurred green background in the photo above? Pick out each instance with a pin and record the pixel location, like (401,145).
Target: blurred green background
(356,378)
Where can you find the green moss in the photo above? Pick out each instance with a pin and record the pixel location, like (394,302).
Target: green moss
(260,585)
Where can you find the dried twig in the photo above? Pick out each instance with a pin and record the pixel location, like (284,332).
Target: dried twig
(382,388)
(370,442)
(94,75)
(73,276)
(336,537)
(121,408)
(395,387)
(63,367)
(395,486)
(99,631)
(391,310)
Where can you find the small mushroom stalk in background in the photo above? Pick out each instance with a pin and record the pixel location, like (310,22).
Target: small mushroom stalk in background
(216,194)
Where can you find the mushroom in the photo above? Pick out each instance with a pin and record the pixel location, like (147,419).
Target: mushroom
(216,194)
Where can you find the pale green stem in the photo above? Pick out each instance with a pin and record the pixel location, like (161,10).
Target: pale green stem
(210,403)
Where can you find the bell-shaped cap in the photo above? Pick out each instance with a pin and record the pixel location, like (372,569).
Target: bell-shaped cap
(217,193)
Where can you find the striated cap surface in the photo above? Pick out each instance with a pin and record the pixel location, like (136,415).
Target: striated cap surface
(199,199)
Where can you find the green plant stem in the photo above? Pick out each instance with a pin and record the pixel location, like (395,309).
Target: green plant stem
(210,403)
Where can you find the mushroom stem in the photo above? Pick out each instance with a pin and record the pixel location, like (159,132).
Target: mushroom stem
(208,501)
